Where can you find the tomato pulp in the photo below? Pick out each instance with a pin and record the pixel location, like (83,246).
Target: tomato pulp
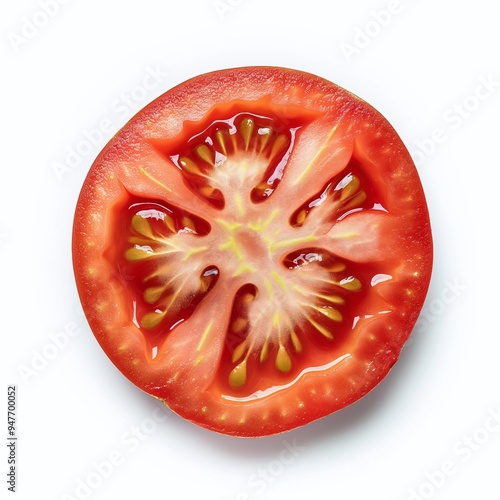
(253,248)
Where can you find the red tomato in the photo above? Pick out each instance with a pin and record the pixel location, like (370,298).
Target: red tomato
(253,248)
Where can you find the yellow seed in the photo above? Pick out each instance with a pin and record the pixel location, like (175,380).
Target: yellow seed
(169,222)
(283,361)
(263,186)
(356,201)
(333,299)
(264,134)
(321,329)
(152,319)
(296,342)
(247,298)
(352,284)
(141,225)
(301,217)
(331,313)
(336,267)
(239,324)
(136,254)
(238,375)
(205,153)
(234,142)
(151,295)
(278,145)
(221,139)
(239,352)
(205,283)
(246,129)
(264,352)
(188,223)
(190,166)
(351,188)
(207,191)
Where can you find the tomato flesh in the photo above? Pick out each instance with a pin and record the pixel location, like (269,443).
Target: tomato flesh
(262,265)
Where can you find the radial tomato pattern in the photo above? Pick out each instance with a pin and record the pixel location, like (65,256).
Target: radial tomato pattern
(253,248)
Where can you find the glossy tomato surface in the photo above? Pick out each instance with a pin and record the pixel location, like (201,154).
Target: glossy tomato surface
(253,248)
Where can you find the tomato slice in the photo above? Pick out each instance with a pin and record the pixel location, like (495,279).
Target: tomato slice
(253,248)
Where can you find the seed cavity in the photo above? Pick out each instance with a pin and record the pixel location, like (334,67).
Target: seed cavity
(251,148)
(338,196)
(159,238)
(289,316)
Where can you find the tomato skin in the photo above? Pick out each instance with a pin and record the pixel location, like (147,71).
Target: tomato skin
(190,367)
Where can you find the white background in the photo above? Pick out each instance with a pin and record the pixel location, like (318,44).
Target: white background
(432,413)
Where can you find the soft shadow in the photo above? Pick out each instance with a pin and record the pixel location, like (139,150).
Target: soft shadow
(315,433)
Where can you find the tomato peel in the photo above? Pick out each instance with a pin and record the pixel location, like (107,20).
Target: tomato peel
(253,248)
